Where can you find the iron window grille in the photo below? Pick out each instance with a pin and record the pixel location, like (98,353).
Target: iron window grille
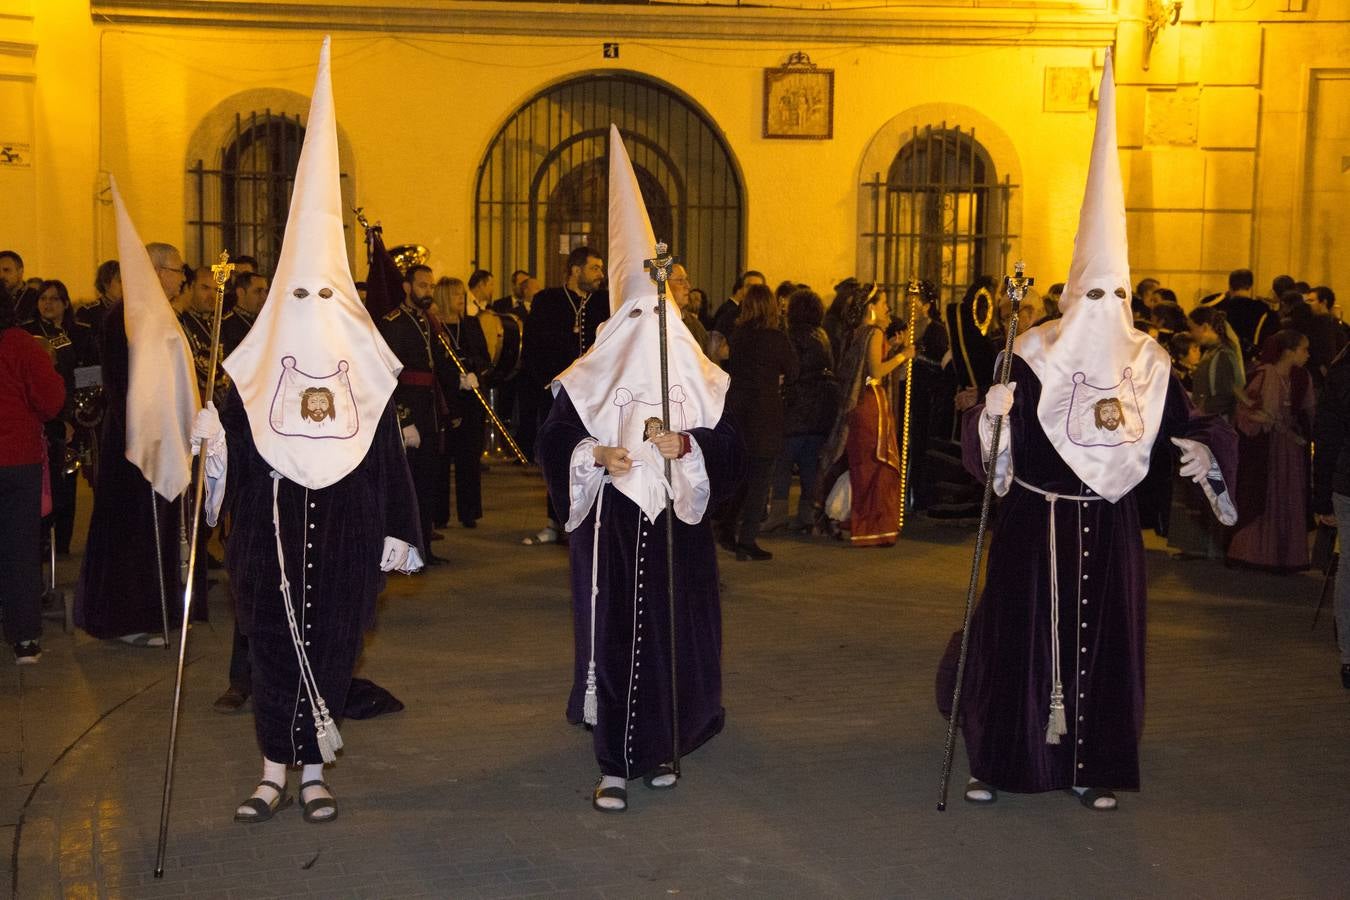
(242,204)
(939,213)
(542,186)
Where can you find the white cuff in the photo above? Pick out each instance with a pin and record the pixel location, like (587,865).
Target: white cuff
(689,479)
(1216,490)
(1003,468)
(399,556)
(584,481)
(215,466)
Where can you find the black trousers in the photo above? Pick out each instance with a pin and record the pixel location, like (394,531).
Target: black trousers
(464,454)
(20,552)
(422,464)
(754,498)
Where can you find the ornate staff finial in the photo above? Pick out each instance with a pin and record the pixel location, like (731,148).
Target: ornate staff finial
(223,270)
(659,266)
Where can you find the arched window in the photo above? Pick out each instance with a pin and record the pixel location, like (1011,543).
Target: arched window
(940,213)
(542,187)
(241,205)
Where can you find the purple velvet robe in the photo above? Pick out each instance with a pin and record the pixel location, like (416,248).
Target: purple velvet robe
(333,539)
(1005,700)
(632,636)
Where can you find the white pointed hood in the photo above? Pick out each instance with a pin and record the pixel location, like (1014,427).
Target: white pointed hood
(616,385)
(162,395)
(1103,382)
(314,373)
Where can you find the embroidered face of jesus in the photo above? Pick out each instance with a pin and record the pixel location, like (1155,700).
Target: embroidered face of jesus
(1107,413)
(651,428)
(316,404)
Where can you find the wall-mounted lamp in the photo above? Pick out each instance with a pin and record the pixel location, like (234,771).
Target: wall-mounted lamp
(1161,13)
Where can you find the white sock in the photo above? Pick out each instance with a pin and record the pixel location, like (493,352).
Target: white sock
(314,772)
(610,781)
(1100,802)
(664,780)
(981,794)
(274,772)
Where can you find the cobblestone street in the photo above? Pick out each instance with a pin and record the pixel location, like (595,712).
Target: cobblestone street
(822,785)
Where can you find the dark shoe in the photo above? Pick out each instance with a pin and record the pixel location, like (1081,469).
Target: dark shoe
(471,523)
(263,811)
(311,809)
(609,793)
(661,772)
(27,653)
(746,552)
(1345,676)
(1091,796)
(231,701)
(979,793)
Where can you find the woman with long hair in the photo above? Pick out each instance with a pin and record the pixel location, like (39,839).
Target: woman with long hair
(71,345)
(812,405)
(1273,434)
(762,364)
(864,431)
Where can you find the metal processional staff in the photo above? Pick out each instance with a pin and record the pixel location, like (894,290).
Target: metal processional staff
(1016,286)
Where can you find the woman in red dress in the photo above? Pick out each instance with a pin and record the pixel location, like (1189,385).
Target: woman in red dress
(865,431)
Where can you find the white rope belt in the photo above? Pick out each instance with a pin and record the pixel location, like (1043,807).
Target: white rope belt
(325,730)
(1056,726)
(590,706)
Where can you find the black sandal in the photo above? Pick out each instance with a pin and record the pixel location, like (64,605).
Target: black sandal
(976,785)
(1090,797)
(262,810)
(660,772)
(318,804)
(609,793)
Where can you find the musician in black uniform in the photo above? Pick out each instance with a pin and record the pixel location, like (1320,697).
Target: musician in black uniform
(464,442)
(427,392)
(561,327)
(198,321)
(250,293)
(108,286)
(72,345)
(20,295)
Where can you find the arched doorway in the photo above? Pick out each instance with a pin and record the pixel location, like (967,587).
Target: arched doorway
(542,187)
(936,201)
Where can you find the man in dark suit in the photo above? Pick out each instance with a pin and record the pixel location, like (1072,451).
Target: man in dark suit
(1251,319)
(561,327)
(427,392)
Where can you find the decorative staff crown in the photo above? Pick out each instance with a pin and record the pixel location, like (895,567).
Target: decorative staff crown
(222,270)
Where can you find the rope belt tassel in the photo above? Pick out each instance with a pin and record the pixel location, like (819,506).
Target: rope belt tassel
(325,729)
(1056,725)
(590,712)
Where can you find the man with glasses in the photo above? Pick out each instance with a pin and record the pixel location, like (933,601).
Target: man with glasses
(119,592)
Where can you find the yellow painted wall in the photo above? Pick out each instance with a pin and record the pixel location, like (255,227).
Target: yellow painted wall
(417,112)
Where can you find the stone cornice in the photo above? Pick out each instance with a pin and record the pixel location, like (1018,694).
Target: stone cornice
(1045,25)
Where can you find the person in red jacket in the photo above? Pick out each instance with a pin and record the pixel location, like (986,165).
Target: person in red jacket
(31,393)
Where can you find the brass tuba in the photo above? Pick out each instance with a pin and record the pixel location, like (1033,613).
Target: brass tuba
(408,255)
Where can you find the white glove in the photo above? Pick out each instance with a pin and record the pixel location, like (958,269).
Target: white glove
(399,555)
(999,400)
(411,437)
(206,428)
(1196,459)
(468,381)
